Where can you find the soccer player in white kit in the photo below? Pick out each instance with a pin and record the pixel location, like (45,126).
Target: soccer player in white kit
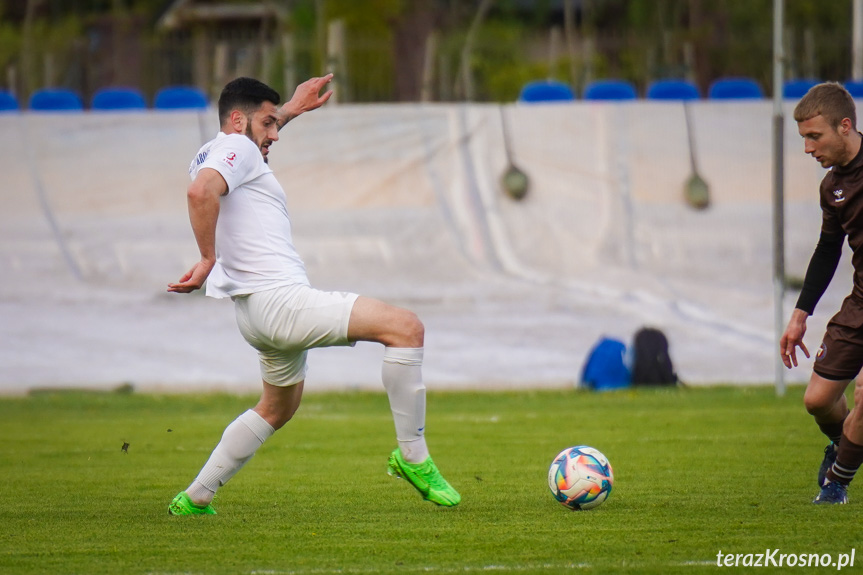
(242,227)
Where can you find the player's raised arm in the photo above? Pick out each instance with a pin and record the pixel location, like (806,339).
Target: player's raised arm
(203,198)
(307,97)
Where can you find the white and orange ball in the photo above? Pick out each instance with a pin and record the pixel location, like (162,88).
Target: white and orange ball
(580,477)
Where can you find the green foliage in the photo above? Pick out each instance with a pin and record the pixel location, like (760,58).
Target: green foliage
(638,40)
(696,471)
(372,16)
(10,43)
(58,36)
(48,51)
(499,66)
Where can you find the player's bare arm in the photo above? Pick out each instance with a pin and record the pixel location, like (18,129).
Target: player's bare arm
(203,199)
(307,97)
(793,338)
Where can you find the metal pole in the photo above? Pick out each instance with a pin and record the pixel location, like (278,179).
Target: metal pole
(465,72)
(778,190)
(857,42)
(336,60)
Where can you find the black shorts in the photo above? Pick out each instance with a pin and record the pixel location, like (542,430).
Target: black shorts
(840,356)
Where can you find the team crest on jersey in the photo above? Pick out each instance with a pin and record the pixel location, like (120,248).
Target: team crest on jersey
(839,195)
(822,351)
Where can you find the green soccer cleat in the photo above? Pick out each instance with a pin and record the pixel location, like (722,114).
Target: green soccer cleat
(425,477)
(182,505)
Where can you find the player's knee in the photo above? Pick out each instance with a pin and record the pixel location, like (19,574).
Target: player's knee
(277,415)
(818,403)
(412,331)
(282,416)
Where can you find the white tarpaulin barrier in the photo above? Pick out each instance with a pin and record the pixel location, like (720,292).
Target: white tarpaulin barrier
(404,203)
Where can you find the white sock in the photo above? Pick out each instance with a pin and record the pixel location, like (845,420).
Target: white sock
(239,442)
(403,380)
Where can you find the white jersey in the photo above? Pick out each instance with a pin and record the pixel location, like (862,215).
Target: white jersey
(254,247)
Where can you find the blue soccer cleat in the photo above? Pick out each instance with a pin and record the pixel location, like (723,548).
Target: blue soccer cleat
(827,462)
(832,493)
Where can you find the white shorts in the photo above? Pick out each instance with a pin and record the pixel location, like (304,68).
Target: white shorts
(283,323)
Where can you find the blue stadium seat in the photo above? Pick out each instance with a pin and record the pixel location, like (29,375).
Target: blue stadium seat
(116,98)
(546,91)
(855,88)
(56,100)
(796,89)
(735,89)
(610,90)
(673,90)
(8,102)
(180,98)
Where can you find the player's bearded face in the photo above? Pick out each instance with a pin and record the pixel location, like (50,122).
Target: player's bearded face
(262,130)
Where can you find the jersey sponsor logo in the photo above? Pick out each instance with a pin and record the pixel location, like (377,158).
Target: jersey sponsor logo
(230,158)
(838,195)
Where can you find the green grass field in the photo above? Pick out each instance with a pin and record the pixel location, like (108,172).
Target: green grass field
(697,471)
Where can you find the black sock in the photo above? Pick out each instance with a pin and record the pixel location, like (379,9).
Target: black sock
(849,457)
(833,430)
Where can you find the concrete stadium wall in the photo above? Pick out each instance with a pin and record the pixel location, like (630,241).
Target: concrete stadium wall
(404,203)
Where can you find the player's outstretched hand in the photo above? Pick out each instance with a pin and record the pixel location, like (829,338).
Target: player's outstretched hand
(793,338)
(308,96)
(193,279)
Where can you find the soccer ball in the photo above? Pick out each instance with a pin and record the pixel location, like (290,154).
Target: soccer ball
(580,477)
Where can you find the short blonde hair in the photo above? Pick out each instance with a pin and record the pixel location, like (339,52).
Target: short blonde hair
(829,99)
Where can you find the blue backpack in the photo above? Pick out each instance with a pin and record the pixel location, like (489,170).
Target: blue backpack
(605,367)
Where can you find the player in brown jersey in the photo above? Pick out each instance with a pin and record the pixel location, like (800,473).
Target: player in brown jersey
(827,120)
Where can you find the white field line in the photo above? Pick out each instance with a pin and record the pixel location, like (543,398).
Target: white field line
(431,569)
